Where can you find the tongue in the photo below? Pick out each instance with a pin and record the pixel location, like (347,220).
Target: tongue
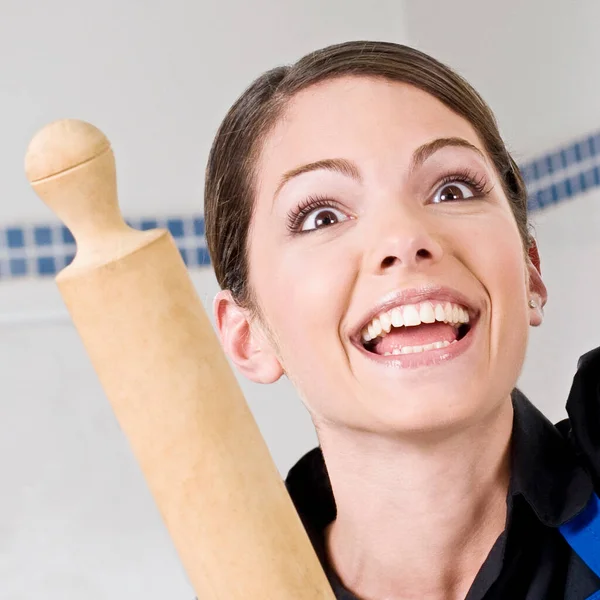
(421,335)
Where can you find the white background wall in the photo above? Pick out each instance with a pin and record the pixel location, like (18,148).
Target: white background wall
(534,61)
(75,517)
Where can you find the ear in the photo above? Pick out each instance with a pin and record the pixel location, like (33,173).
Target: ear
(537,289)
(244,341)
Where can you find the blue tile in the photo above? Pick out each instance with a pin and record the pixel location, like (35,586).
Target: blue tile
(42,236)
(574,185)
(585,149)
(590,180)
(564,159)
(148,224)
(67,236)
(203,257)
(18,267)
(69,259)
(568,188)
(561,186)
(175,226)
(556,161)
(15,237)
(595,144)
(539,198)
(526,173)
(570,156)
(199,226)
(545,197)
(46,265)
(541,168)
(184,255)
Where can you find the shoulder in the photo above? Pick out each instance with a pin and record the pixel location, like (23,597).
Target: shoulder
(591,362)
(582,428)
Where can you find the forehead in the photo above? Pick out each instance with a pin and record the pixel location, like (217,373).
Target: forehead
(360,119)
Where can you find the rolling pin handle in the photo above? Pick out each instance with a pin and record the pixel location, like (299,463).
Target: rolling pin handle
(71,166)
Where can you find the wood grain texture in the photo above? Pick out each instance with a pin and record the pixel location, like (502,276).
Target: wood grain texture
(163,370)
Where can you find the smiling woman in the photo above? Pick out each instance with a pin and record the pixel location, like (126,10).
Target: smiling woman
(368,228)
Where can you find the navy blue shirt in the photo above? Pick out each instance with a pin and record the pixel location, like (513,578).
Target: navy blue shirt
(555,469)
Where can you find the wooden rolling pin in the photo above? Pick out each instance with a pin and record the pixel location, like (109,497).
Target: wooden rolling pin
(172,390)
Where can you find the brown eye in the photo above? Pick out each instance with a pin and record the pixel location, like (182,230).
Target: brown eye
(453,191)
(323,217)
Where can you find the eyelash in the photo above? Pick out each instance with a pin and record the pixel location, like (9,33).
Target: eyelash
(477,182)
(298,214)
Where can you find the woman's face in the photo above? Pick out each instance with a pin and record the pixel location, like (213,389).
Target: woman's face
(378,212)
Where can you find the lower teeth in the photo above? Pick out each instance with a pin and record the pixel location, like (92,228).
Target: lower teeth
(417,349)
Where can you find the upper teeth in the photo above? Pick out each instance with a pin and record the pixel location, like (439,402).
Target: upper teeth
(415,314)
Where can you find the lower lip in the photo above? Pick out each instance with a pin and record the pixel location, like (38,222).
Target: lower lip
(428,358)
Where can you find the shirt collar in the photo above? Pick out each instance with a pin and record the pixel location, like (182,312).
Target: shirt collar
(545,468)
(545,472)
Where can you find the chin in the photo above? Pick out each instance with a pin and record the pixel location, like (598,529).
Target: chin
(436,410)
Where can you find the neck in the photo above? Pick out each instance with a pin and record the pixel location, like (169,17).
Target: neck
(417,520)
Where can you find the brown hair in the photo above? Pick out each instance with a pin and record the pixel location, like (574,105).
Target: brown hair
(229,183)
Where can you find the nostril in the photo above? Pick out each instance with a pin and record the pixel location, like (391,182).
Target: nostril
(411,257)
(388,261)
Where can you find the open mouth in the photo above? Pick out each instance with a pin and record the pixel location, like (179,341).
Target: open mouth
(416,328)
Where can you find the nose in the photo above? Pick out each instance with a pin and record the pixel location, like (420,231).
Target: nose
(407,242)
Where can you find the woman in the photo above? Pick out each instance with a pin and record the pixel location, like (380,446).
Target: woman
(368,229)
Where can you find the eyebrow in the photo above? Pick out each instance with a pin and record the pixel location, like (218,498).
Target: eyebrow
(348,168)
(337,165)
(422,153)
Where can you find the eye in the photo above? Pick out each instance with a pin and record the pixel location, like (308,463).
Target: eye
(453,190)
(322,217)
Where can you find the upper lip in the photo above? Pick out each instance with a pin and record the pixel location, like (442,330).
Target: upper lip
(432,293)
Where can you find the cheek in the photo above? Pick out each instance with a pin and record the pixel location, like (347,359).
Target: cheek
(303,291)
(501,269)
(495,250)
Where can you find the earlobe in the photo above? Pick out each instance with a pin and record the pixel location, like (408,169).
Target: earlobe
(244,343)
(538,294)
